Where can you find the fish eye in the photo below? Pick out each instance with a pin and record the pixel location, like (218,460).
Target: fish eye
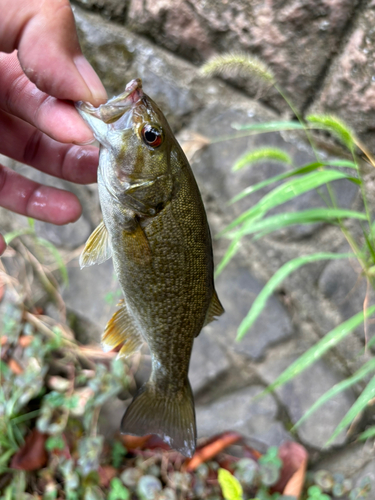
(151,136)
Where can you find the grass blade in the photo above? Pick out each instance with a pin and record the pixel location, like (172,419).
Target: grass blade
(336,126)
(277,278)
(342,163)
(368,433)
(337,388)
(363,400)
(279,221)
(14,234)
(229,254)
(305,169)
(289,190)
(297,171)
(59,261)
(315,352)
(261,154)
(270,126)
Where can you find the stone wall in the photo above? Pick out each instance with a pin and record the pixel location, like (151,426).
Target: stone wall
(321,52)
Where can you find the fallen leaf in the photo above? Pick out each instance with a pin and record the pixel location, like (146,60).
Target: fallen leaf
(191,142)
(106,473)
(25,340)
(133,442)
(15,367)
(32,455)
(292,475)
(209,450)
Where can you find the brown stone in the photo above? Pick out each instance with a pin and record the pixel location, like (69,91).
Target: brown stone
(296,38)
(349,92)
(114,10)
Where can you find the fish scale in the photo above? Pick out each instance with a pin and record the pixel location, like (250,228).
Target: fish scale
(155,228)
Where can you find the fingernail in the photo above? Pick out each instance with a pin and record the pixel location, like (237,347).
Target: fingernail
(99,95)
(84,143)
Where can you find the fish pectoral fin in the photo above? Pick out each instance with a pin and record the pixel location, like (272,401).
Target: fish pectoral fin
(215,309)
(97,249)
(137,246)
(172,417)
(121,329)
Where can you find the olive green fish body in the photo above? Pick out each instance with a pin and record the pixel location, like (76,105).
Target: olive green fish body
(155,228)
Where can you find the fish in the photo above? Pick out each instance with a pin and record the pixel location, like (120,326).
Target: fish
(156,231)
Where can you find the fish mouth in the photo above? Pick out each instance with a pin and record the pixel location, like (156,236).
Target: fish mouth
(114,108)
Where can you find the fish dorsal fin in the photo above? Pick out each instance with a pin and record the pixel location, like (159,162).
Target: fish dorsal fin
(97,249)
(215,309)
(121,329)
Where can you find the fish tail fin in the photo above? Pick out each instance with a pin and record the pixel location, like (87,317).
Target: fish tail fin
(170,417)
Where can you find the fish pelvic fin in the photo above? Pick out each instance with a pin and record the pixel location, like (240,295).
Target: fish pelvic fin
(121,329)
(170,417)
(98,247)
(214,309)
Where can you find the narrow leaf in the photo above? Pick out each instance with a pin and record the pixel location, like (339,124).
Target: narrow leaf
(334,125)
(15,234)
(261,154)
(342,163)
(56,255)
(297,171)
(315,352)
(229,254)
(277,278)
(368,433)
(279,221)
(337,388)
(289,190)
(269,126)
(31,222)
(362,401)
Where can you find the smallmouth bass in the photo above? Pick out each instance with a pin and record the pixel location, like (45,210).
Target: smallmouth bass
(155,229)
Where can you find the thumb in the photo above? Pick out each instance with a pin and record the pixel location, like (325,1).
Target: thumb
(48,49)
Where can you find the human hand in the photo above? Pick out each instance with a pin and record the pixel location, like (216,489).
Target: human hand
(41,68)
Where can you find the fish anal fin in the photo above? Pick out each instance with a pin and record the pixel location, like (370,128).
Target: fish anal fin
(97,249)
(214,309)
(121,329)
(170,417)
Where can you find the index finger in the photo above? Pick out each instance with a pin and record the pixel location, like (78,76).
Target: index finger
(44,33)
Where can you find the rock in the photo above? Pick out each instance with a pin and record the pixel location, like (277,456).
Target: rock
(69,236)
(298,395)
(113,10)
(365,475)
(173,25)
(254,418)
(349,91)
(296,39)
(350,460)
(93,293)
(342,284)
(110,417)
(237,289)
(208,360)
(118,56)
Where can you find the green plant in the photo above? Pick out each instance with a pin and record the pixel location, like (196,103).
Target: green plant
(315,493)
(40,243)
(230,485)
(256,221)
(118,491)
